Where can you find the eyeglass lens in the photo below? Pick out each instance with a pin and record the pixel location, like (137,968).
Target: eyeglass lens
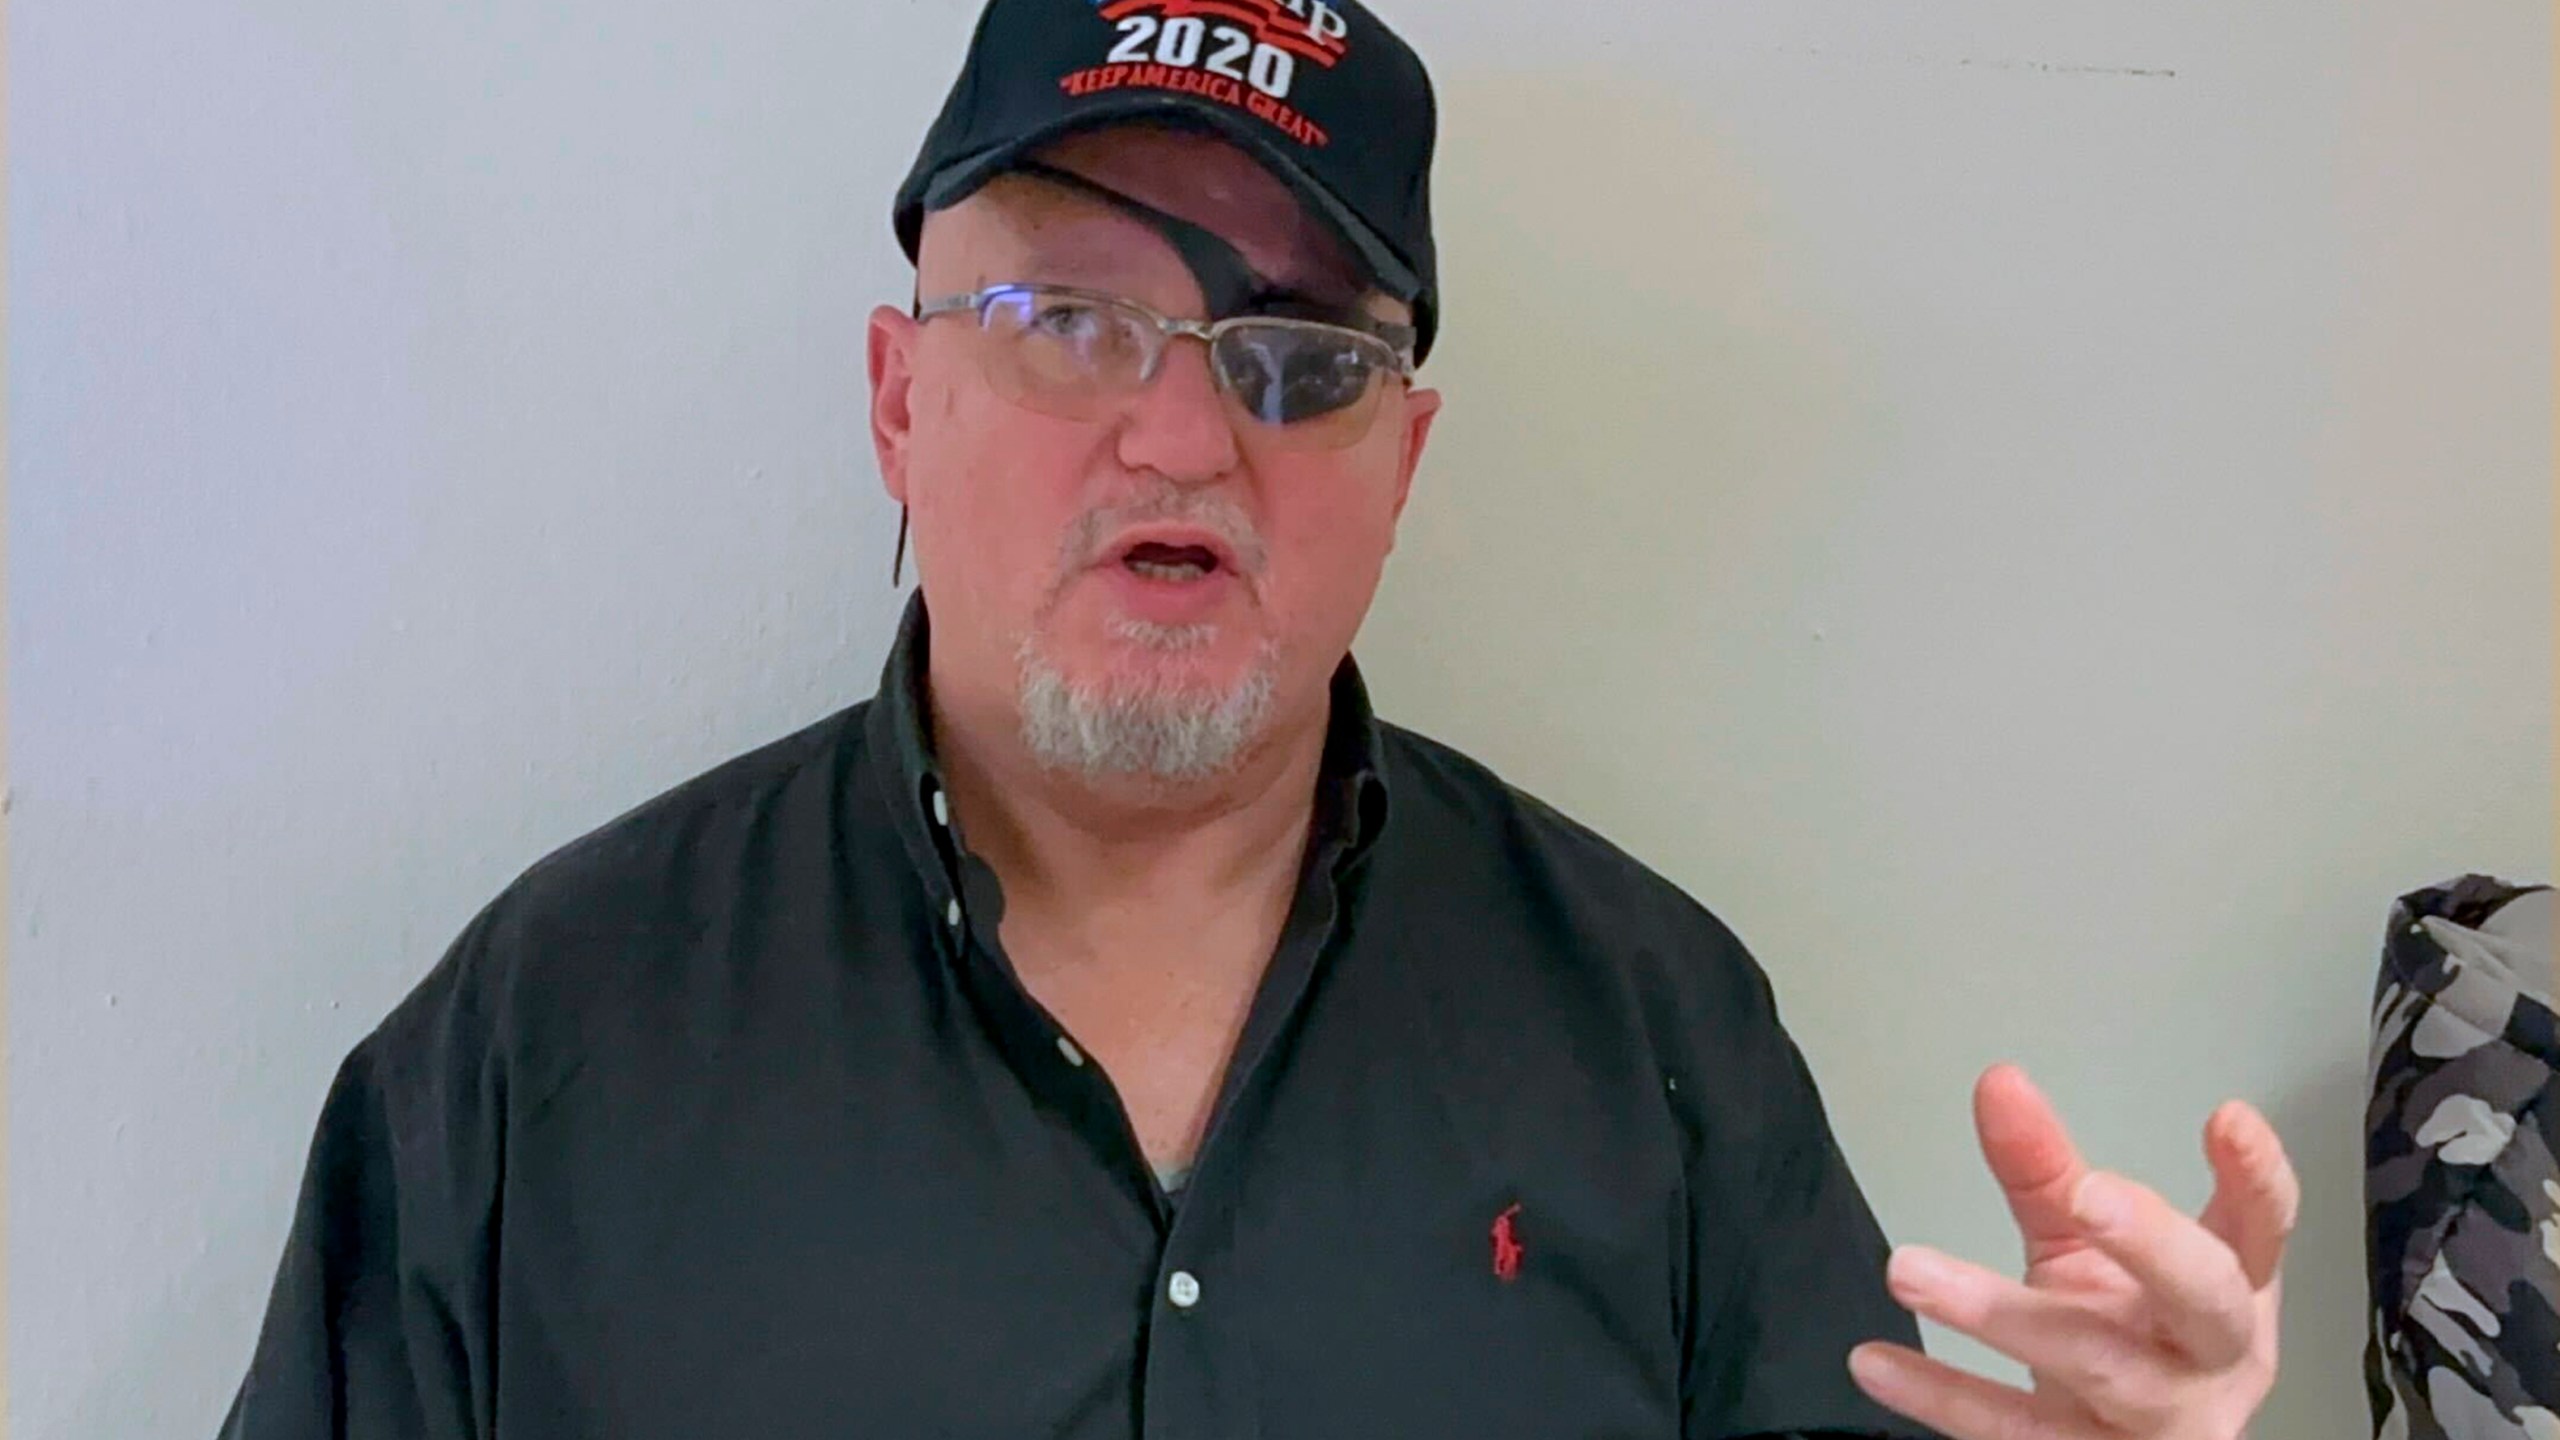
(1306,384)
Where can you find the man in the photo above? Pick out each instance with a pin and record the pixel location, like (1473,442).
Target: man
(1113,1029)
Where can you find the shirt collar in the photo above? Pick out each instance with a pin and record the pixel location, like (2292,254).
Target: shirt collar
(1351,790)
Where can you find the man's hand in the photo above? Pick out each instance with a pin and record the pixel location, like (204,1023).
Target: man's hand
(2135,1320)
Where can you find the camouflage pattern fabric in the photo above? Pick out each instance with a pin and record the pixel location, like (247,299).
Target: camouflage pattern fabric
(2462,1193)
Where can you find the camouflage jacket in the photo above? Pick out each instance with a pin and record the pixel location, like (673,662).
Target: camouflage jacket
(2462,1194)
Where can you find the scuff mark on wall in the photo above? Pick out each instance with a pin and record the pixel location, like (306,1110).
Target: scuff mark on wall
(1991,62)
(2047,67)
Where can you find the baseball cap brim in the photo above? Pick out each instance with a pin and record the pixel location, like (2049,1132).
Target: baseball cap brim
(962,178)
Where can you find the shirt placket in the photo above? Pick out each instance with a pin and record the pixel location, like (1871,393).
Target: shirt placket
(1200,1378)
(1197,1378)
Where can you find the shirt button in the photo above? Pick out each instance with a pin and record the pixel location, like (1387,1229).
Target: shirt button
(1183,1290)
(1068,1048)
(941,809)
(953,914)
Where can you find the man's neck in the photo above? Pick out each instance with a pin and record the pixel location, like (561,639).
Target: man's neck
(1065,846)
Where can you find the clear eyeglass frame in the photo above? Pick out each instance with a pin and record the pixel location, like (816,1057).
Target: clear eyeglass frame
(1237,345)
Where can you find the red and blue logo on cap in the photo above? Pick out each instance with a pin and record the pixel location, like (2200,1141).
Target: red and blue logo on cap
(1241,53)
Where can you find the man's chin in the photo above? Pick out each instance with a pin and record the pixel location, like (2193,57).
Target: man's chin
(1166,715)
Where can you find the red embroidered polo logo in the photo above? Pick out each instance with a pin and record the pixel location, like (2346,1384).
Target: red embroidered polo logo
(1506,1246)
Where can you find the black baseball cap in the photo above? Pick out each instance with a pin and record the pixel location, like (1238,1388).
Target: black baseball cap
(1321,92)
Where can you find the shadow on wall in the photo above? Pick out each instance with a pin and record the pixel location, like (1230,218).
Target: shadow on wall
(2322,1123)
(1649,376)
(180,1324)
(1643,381)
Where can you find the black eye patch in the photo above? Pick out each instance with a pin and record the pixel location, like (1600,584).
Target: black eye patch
(1227,280)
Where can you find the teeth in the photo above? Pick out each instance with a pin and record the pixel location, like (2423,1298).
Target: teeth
(1155,570)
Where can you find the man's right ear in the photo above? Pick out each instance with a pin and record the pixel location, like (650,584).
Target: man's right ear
(891,350)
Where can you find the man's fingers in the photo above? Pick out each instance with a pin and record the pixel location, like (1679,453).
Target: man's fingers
(2122,1377)
(2191,1276)
(2032,1157)
(2256,1195)
(1958,1405)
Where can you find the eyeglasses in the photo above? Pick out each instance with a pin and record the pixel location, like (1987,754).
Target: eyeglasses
(1080,354)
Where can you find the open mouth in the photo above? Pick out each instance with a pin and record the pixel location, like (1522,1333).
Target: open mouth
(1152,560)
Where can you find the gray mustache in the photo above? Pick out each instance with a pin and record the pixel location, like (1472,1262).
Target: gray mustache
(1223,518)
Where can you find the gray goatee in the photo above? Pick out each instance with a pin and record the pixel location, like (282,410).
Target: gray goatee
(1143,727)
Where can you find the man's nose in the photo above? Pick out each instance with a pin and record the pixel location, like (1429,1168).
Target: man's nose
(1178,424)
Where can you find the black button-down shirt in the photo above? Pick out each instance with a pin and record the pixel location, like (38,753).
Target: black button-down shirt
(732,1119)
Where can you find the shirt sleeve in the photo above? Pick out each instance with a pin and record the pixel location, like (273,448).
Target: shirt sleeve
(377,1326)
(1787,1260)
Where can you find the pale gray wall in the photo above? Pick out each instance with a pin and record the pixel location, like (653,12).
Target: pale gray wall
(2039,514)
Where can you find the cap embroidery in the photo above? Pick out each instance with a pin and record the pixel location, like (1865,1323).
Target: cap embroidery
(1244,54)
(1309,29)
